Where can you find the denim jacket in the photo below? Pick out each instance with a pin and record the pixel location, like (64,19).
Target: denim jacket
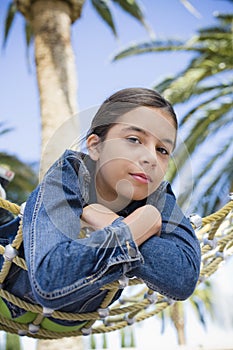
(66,271)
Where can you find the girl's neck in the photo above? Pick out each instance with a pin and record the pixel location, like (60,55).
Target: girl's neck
(115,205)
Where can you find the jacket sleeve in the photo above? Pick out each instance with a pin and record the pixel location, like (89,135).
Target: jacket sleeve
(60,264)
(171,261)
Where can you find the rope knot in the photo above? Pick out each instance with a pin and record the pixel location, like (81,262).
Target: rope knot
(10,253)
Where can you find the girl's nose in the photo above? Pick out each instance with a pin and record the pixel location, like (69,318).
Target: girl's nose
(148,157)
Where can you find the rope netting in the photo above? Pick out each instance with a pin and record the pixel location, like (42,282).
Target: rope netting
(137,302)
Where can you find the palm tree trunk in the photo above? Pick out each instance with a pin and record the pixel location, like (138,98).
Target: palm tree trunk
(177,316)
(56,76)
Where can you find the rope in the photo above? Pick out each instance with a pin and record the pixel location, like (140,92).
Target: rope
(12,207)
(216,240)
(218,215)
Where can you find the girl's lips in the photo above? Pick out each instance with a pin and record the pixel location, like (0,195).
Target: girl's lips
(143,178)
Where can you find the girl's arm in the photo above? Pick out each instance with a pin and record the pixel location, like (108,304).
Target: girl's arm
(171,261)
(143,223)
(62,267)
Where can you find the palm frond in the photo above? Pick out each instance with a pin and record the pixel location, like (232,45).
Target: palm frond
(29,33)
(197,79)
(104,11)
(4,129)
(191,8)
(224,18)
(12,9)
(213,186)
(201,301)
(150,46)
(200,130)
(204,97)
(133,8)
(25,179)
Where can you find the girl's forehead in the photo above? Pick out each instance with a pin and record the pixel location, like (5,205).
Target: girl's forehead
(151,120)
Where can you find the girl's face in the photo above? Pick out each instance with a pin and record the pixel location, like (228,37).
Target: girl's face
(133,159)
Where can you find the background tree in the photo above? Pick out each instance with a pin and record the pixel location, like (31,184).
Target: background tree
(49,23)
(25,179)
(24,182)
(26,3)
(201,302)
(205,88)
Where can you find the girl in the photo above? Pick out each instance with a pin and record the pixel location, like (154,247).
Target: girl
(115,193)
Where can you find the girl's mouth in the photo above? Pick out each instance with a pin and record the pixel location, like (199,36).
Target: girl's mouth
(142,178)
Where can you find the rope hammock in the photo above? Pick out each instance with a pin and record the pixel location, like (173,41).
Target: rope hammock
(215,233)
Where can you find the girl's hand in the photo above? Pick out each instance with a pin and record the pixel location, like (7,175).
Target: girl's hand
(97,216)
(144,222)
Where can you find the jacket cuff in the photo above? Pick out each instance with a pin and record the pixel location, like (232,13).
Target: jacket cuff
(129,246)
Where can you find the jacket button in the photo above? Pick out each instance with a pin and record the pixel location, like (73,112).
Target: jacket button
(132,252)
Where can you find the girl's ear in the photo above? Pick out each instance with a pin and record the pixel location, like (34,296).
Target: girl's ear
(93,143)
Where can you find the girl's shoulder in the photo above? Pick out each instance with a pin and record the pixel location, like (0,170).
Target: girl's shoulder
(159,197)
(70,162)
(72,155)
(69,158)
(80,161)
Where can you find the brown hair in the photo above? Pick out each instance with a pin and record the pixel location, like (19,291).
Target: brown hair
(124,101)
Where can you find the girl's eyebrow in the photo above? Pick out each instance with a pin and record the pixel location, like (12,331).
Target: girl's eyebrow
(135,128)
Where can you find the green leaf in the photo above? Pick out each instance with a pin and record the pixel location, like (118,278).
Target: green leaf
(25,179)
(29,37)
(3,129)
(104,11)
(132,8)
(12,9)
(29,33)
(191,8)
(151,46)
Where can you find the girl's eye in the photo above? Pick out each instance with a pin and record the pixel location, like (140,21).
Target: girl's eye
(133,139)
(162,151)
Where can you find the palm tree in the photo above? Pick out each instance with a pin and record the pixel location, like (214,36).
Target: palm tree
(49,22)
(202,305)
(24,182)
(204,89)
(25,179)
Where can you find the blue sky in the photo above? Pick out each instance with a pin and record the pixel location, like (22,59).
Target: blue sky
(98,77)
